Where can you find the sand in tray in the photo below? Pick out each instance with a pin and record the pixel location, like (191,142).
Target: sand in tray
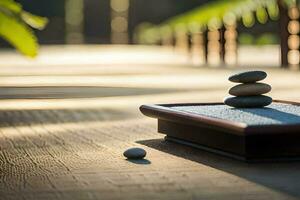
(274,114)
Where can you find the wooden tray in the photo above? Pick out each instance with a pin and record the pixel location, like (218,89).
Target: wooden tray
(240,140)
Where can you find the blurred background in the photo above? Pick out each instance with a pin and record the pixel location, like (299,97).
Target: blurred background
(100,21)
(268,27)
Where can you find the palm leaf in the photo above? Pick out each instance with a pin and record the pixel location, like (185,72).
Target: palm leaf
(18,34)
(11,6)
(34,21)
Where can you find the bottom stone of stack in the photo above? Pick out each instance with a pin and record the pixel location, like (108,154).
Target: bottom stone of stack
(248,101)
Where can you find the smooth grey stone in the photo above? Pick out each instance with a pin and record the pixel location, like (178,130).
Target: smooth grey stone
(135,153)
(248,101)
(250,89)
(248,77)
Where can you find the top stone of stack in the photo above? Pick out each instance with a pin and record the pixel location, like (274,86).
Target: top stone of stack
(248,77)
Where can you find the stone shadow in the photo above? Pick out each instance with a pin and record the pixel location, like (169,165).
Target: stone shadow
(139,161)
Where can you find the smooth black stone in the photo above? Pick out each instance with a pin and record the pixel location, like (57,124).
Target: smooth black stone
(135,153)
(248,101)
(248,77)
(250,89)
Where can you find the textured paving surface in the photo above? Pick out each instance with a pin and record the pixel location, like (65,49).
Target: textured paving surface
(65,145)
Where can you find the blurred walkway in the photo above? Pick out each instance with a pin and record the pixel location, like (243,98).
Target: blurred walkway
(66,120)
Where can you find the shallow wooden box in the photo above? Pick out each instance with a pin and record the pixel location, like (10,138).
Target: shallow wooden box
(276,138)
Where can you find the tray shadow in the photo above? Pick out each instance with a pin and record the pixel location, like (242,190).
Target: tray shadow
(280,176)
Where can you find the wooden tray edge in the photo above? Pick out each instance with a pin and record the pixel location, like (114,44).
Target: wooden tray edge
(161,111)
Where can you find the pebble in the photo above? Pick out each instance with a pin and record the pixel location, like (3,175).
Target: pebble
(248,77)
(248,101)
(135,153)
(250,89)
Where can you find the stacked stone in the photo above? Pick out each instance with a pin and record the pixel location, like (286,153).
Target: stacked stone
(249,93)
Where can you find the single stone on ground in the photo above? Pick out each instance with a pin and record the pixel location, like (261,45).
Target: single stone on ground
(135,153)
(248,77)
(248,101)
(250,89)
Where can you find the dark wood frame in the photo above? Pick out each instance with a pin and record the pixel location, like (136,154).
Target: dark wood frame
(238,140)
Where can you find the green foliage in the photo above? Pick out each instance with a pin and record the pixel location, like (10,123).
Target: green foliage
(291,2)
(15,26)
(261,15)
(220,8)
(248,19)
(273,11)
(267,38)
(246,39)
(263,39)
(34,21)
(203,14)
(215,13)
(10,5)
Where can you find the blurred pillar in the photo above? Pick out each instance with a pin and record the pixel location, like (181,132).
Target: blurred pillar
(222,44)
(173,40)
(198,49)
(213,47)
(167,41)
(284,34)
(205,45)
(293,39)
(189,42)
(119,21)
(189,46)
(181,40)
(159,42)
(74,21)
(230,46)
(166,36)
